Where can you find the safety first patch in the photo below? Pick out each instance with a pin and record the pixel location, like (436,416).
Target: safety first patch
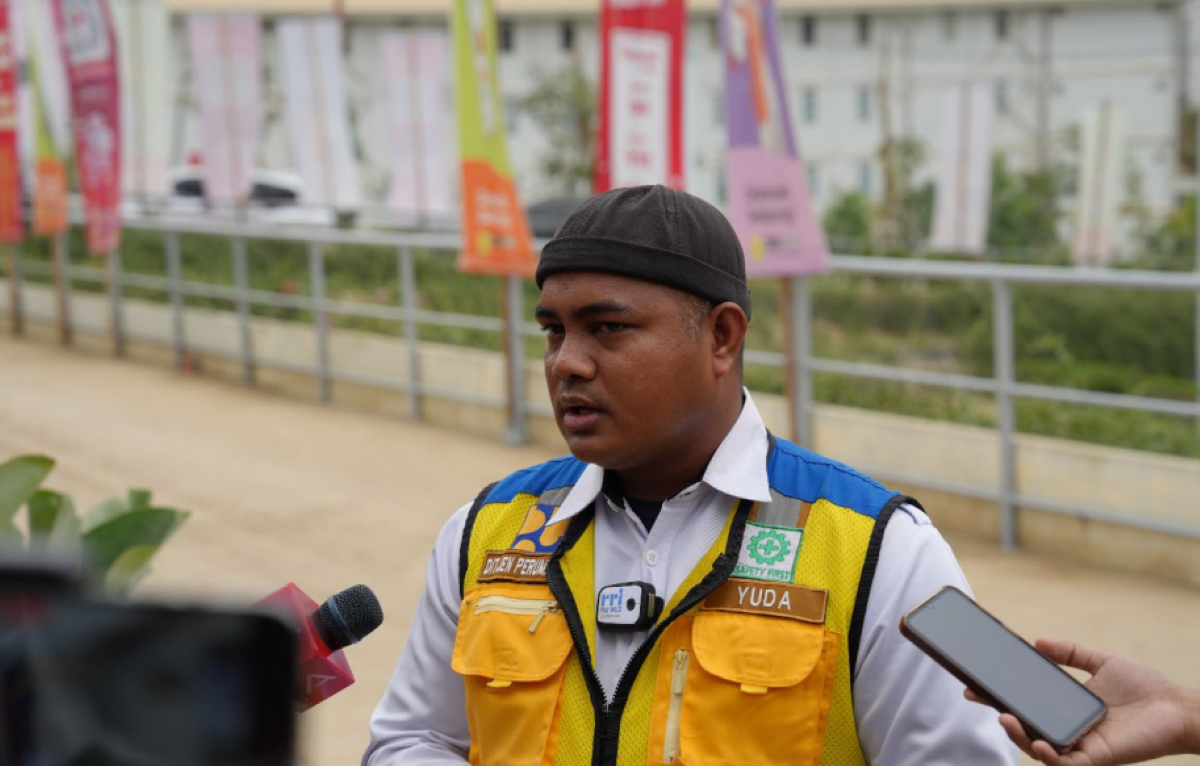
(768,553)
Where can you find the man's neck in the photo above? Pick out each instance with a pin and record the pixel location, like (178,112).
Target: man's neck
(686,465)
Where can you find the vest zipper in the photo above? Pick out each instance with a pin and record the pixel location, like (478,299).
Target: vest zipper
(509,605)
(675,710)
(608,714)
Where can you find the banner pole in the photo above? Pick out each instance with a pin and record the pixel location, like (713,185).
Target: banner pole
(62,286)
(114,301)
(14,290)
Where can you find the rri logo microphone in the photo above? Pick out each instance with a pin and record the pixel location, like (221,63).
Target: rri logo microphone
(627,606)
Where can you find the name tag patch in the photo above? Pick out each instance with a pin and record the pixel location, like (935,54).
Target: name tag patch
(797,602)
(514,566)
(768,553)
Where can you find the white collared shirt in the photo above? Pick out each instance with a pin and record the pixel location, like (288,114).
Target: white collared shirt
(907,709)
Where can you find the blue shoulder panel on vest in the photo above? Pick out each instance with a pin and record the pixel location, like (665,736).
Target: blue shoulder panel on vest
(798,473)
(560,472)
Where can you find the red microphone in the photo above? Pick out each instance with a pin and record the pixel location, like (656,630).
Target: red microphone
(323,631)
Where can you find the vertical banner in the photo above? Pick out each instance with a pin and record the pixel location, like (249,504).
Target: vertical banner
(227,81)
(10,151)
(1101,170)
(964,179)
(49,115)
(315,111)
(90,58)
(495,229)
(419,125)
(769,201)
(640,138)
(143,45)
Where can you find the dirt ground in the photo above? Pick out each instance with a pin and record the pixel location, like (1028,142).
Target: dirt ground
(284,491)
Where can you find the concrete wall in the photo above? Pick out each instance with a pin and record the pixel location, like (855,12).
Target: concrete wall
(947,466)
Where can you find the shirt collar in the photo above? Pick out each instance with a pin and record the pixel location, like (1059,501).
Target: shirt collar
(738,468)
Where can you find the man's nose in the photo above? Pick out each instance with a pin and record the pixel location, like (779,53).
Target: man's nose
(572,359)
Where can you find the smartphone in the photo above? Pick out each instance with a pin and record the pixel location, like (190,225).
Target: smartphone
(85,681)
(1002,668)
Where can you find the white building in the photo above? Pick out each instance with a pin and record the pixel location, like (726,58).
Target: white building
(858,73)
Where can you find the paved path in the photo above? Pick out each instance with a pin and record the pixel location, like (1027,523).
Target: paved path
(289,491)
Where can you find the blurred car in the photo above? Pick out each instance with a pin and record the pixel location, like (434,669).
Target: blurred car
(274,198)
(546,215)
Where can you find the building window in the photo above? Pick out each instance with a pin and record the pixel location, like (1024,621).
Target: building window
(864,179)
(814,180)
(949,25)
(808,30)
(512,114)
(1002,25)
(714,31)
(505,32)
(1001,97)
(808,101)
(864,103)
(719,108)
(567,36)
(864,29)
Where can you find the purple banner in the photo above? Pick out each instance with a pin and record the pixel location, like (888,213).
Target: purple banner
(769,202)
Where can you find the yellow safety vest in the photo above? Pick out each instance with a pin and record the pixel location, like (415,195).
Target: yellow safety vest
(737,671)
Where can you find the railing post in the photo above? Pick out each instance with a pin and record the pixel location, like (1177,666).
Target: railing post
(62,287)
(517,431)
(316,280)
(241,283)
(408,300)
(1002,354)
(116,319)
(799,355)
(14,291)
(175,296)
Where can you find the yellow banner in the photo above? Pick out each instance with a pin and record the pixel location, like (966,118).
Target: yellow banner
(495,229)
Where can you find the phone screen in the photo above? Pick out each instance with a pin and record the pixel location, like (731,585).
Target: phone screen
(1008,669)
(132,684)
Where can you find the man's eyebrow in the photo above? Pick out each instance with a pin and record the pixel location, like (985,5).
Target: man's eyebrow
(584,312)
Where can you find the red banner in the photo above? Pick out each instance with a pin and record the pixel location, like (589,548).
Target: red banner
(641,94)
(10,160)
(90,57)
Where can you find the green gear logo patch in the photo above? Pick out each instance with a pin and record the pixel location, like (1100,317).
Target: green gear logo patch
(769,547)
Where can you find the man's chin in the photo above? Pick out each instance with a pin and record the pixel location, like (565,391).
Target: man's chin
(593,448)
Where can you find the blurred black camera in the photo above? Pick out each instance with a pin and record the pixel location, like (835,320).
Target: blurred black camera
(91,682)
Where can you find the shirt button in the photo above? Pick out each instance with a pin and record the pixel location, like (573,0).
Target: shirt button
(652,557)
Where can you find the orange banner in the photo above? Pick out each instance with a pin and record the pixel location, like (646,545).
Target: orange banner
(49,197)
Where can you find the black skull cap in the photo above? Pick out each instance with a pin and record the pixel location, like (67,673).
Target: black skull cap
(653,233)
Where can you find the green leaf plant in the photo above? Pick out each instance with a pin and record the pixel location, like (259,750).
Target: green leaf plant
(115,541)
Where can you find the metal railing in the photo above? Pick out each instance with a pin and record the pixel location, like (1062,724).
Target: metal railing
(797,360)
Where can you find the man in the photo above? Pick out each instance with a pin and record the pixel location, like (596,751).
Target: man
(686,587)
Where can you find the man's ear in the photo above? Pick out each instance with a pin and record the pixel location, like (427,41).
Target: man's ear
(728,327)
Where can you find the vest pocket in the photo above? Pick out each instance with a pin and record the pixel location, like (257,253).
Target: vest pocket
(511,648)
(758,691)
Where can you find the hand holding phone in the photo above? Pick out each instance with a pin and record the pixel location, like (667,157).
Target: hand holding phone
(1002,669)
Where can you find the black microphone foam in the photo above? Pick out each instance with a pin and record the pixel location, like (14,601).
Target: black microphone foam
(348,617)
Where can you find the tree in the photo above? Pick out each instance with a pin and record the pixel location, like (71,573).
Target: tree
(563,104)
(1023,216)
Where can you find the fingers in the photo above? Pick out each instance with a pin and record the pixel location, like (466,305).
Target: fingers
(1012,727)
(1073,655)
(1046,754)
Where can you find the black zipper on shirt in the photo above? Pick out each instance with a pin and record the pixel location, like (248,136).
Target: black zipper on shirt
(608,716)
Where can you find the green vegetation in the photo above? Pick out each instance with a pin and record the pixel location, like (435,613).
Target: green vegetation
(115,541)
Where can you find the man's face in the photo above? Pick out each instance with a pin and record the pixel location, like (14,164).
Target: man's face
(629,380)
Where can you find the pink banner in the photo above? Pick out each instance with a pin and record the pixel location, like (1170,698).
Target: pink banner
(769,202)
(226,62)
(10,156)
(90,57)
(640,137)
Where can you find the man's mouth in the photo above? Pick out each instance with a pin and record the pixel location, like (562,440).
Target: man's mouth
(578,417)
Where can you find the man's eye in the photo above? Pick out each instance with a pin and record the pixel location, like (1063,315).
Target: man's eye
(552,330)
(611,327)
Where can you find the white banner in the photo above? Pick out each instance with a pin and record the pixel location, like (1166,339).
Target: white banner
(227,80)
(1103,130)
(420,126)
(315,111)
(26,116)
(143,46)
(964,180)
(641,68)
